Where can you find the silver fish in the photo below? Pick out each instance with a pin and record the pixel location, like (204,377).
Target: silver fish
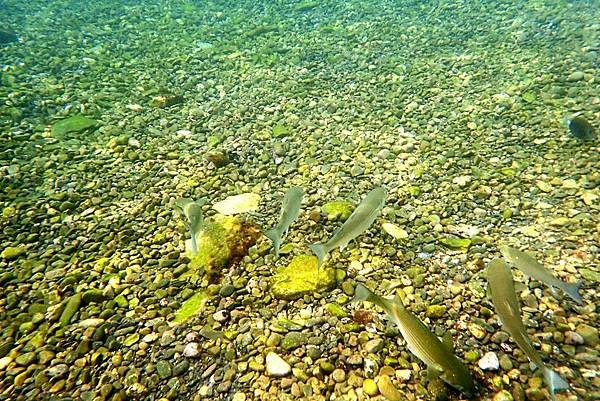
(290,209)
(363,216)
(504,298)
(438,357)
(192,211)
(533,268)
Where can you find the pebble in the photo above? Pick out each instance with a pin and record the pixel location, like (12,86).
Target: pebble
(388,390)
(370,387)
(489,361)
(374,346)
(338,375)
(164,369)
(573,338)
(575,76)
(276,366)
(191,350)
(588,333)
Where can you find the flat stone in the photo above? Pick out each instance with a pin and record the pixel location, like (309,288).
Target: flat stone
(294,340)
(163,369)
(374,346)
(276,366)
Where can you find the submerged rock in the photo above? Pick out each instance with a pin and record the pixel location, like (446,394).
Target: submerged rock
(7,37)
(338,210)
(72,125)
(301,277)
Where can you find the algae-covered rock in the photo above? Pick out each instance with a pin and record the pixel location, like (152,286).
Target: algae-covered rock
(12,252)
(71,308)
(190,307)
(338,210)
(72,125)
(462,244)
(301,277)
(280,130)
(222,241)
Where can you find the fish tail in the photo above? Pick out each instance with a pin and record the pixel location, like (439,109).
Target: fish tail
(274,236)
(193,243)
(572,289)
(319,250)
(554,381)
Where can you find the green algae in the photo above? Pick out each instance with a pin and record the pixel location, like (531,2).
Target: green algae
(280,131)
(462,244)
(72,125)
(12,252)
(301,277)
(71,307)
(338,210)
(190,307)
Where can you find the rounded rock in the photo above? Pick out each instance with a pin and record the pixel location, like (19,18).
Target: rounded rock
(276,365)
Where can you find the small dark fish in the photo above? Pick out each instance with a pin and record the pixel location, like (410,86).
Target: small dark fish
(580,128)
(8,37)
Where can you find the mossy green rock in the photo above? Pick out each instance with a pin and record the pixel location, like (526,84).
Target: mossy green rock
(301,277)
(215,241)
(72,125)
(338,210)
(190,307)
(12,252)
(71,308)
(280,130)
(462,244)
(436,311)
(293,340)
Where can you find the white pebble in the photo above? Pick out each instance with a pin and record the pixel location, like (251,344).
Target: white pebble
(191,350)
(276,366)
(489,362)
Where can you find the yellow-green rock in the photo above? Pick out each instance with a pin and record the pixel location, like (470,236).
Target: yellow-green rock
(72,125)
(190,307)
(462,244)
(12,252)
(338,210)
(301,277)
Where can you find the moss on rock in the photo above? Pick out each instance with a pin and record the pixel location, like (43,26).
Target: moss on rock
(301,277)
(72,125)
(338,210)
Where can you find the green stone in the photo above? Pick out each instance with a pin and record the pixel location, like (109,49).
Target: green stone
(589,334)
(131,339)
(590,275)
(388,390)
(293,340)
(25,359)
(456,243)
(191,307)
(503,395)
(472,356)
(301,277)
(436,311)
(71,307)
(93,295)
(370,387)
(72,125)
(12,252)
(338,210)
(121,301)
(280,130)
(164,370)
(336,310)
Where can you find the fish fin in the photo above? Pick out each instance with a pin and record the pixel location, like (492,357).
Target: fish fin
(433,372)
(274,236)
(361,293)
(448,341)
(554,381)
(572,290)
(319,250)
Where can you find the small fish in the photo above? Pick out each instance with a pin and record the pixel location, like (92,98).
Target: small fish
(533,268)
(504,298)
(290,209)
(438,357)
(363,216)
(581,128)
(192,211)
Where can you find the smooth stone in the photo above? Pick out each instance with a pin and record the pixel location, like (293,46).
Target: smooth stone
(294,340)
(489,361)
(276,366)
(164,369)
(191,350)
(588,333)
(374,346)
(575,76)
(370,387)
(573,338)
(388,390)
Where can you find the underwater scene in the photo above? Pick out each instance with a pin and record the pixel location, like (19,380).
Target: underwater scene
(321,200)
